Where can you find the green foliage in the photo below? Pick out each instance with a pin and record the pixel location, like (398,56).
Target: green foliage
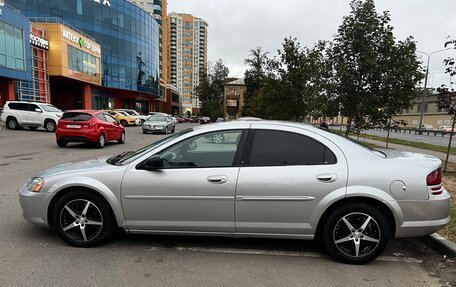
(210,90)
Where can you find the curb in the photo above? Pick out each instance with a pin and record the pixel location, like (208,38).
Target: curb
(441,244)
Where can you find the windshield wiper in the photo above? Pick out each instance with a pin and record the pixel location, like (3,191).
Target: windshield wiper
(114,159)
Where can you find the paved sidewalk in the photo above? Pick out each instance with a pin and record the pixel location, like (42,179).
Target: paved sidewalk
(441,155)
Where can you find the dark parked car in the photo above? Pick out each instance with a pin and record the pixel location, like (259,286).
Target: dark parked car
(88,126)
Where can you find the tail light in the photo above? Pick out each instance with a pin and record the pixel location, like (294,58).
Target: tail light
(89,125)
(433,179)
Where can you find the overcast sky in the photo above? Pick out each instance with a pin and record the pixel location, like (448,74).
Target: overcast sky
(237,26)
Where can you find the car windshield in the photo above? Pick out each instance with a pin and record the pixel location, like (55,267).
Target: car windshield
(50,108)
(128,157)
(157,118)
(365,146)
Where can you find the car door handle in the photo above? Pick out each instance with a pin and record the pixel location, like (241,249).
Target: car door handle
(217,179)
(327,177)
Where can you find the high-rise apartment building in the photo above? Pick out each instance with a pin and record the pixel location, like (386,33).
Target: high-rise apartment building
(188,56)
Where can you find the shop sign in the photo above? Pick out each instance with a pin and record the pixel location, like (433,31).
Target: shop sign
(39,42)
(105,2)
(81,42)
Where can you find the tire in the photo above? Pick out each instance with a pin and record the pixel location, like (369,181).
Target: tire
(11,123)
(32,128)
(122,138)
(142,122)
(166,131)
(173,130)
(124,123)
(340,241)
(79,227)
(50,125)
(144,132)
(101,141)
(61,143)
(218,138)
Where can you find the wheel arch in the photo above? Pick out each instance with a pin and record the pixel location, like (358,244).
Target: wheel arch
(380,205)
(108,197)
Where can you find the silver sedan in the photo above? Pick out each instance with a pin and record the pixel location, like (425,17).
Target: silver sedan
(266,179)
(161,123)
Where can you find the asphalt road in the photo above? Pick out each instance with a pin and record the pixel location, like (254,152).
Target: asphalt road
(33,256)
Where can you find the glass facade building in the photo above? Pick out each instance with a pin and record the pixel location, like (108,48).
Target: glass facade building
(128,35)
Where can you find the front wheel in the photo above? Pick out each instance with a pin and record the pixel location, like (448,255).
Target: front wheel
(124,123)
(50,126)
(83,219)
(356,233)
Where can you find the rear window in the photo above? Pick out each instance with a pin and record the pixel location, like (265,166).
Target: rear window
(76,117)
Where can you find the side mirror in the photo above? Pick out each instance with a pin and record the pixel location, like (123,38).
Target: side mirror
(37,110)
(152,163)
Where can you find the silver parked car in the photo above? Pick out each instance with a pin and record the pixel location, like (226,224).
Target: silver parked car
(267,179)
(161,123)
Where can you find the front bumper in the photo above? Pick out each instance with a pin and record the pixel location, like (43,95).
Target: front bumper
(424,217)
(34,206)
(153,128)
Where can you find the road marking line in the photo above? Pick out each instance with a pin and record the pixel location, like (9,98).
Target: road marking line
(276,253)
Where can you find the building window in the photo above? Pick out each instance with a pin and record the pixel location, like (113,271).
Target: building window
(79,61)
(11,47)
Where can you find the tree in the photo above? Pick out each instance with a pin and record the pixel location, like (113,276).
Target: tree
(374,76)
(446,100)
(253,79)
(210,89)
(292,86)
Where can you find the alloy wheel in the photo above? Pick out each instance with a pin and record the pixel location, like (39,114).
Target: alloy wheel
(81,220)
(50,126)
(356,235)
(218,138)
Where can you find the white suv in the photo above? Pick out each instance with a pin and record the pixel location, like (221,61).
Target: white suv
(31,115)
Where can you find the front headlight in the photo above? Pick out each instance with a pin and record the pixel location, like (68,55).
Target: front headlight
(35,184)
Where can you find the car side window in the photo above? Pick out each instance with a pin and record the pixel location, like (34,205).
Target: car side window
(32,107)
(18,106)
(216,149)
(101,117)
(110,119)
(279,148)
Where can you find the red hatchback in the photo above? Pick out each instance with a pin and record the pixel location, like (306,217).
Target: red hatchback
(89,126)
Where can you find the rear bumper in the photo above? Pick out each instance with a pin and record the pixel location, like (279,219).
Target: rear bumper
(424,217)
(77,137)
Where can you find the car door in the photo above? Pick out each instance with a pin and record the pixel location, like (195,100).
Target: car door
(193,192)
(35,114)
(112,127)
(284,176)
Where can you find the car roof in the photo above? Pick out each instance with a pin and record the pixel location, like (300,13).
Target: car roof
(24,102)
(84,111)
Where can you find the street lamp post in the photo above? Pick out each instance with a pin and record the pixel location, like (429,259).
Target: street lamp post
(425,83)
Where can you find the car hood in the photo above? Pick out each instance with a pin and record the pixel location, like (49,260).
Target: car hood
(87,164)
(418,158)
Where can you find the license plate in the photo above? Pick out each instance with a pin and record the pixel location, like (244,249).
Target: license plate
(73,126)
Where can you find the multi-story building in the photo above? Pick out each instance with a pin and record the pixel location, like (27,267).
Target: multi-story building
(188,56)
(98,54)
(233,99)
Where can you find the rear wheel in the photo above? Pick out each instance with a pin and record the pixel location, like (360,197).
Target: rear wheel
(122,138)
(61,143)
(83,219)
(50,125)
(12,123)
(356,233)
(101,141)
(124,123)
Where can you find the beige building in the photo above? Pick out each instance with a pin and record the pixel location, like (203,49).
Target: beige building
(188,56)
(233,99)
(432,114)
